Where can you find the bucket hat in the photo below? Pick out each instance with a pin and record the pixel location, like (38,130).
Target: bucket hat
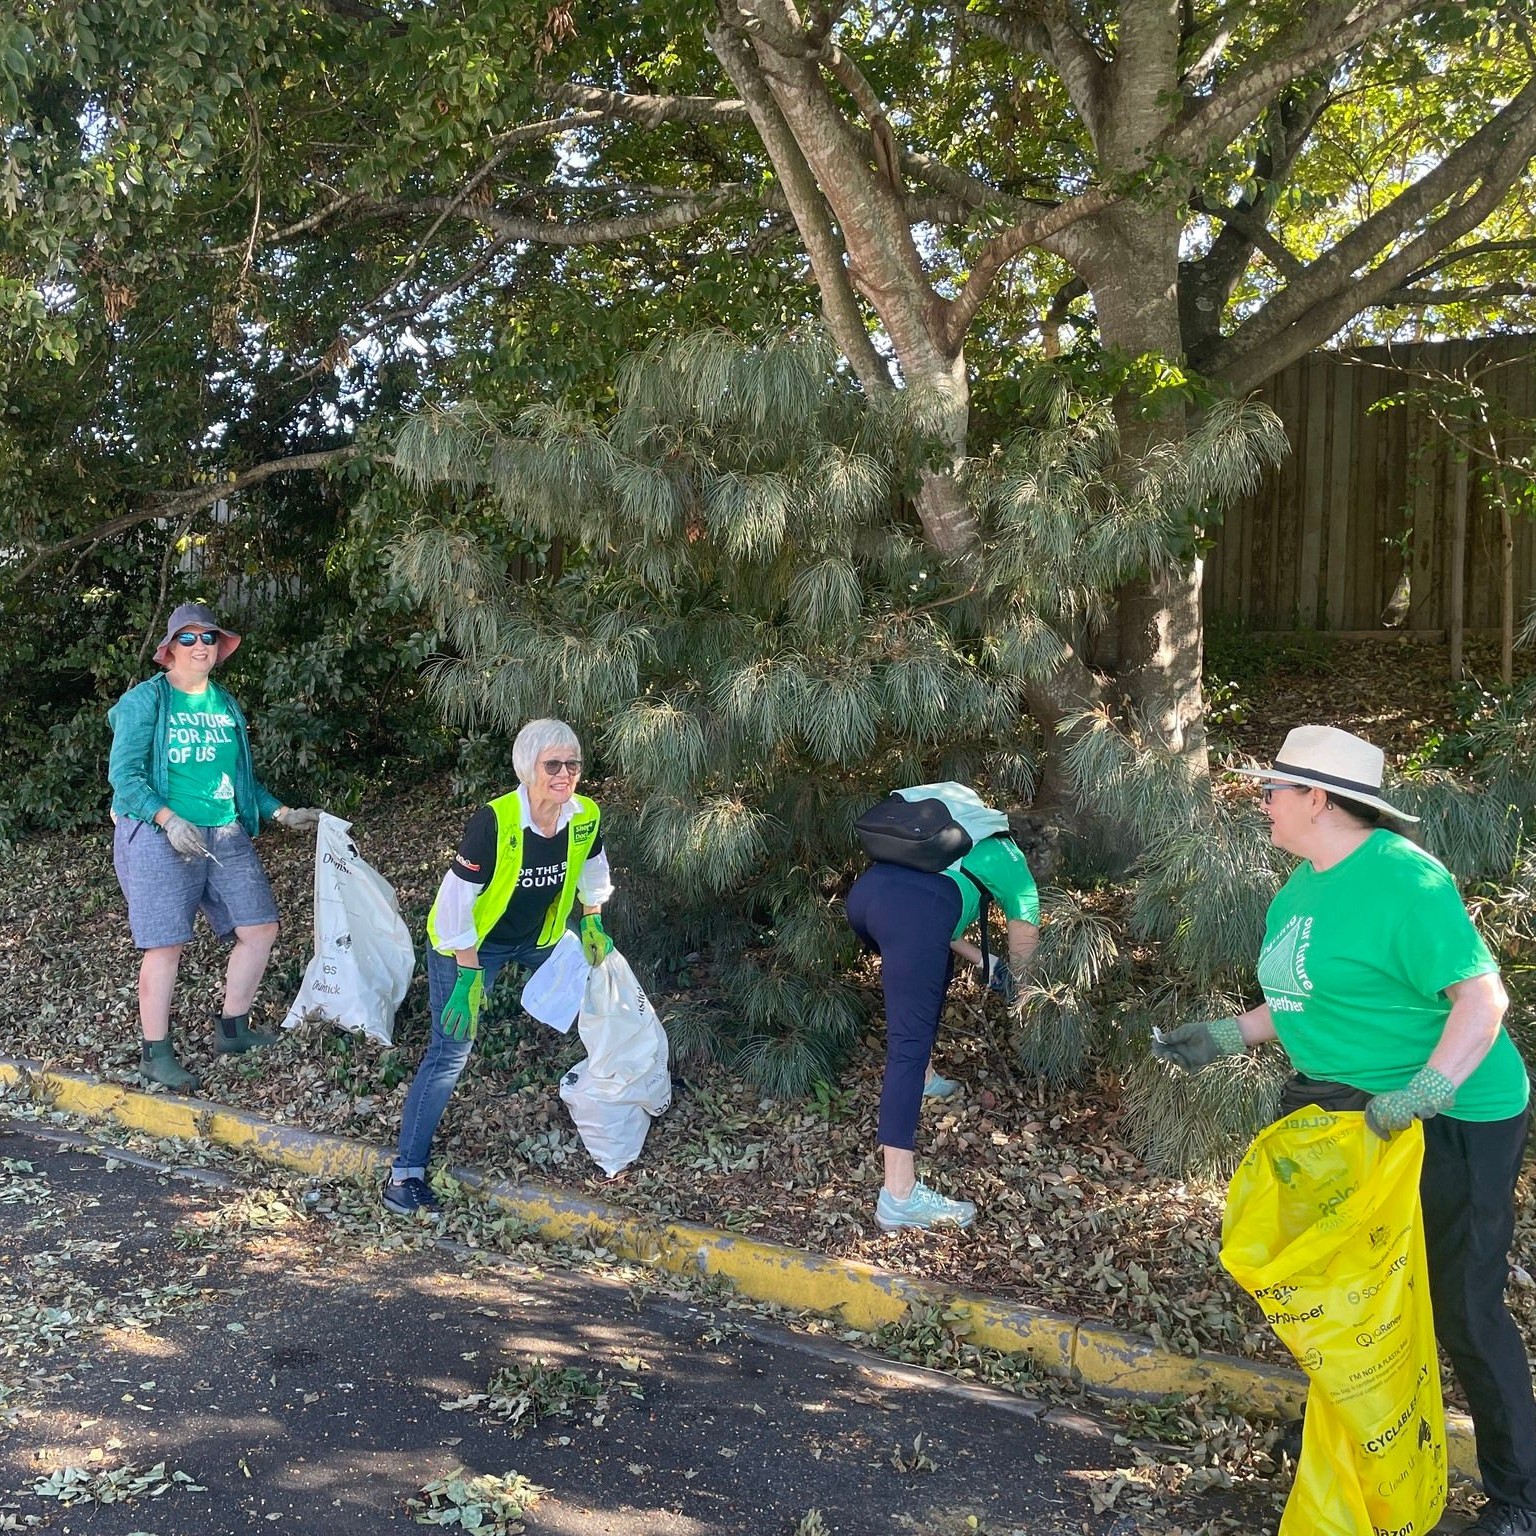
(195,616)
(1324,757)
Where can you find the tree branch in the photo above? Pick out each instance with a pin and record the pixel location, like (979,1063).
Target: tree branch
(1001,249)
(823,245)
(888,153)
(1045,29)
(650,111)
(1424,298)
(1326,33)
(288,231)
(1309,310)
(686,210)
(1471,253)
(183,503)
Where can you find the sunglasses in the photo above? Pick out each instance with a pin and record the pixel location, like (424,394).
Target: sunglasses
(1270,791)
(190,637)
(555,765)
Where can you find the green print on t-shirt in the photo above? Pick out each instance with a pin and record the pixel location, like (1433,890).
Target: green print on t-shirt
(202,751)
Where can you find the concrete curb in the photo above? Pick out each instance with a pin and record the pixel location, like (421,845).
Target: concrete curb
(861,1295)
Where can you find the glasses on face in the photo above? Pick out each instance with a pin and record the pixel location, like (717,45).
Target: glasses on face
(190,637)
(553,767)
(1269,792)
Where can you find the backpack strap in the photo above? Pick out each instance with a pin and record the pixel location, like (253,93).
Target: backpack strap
(983,911)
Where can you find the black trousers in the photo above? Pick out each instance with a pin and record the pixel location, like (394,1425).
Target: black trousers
(1467,1191)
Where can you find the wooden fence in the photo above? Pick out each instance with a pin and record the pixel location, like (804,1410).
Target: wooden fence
(1366,498)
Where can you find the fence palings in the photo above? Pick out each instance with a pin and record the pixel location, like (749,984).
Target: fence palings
(1365,497)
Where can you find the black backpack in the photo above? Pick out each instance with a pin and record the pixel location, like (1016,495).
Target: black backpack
(921,834)
(917,834)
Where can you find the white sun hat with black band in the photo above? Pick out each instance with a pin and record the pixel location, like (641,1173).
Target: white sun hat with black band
(1324,757)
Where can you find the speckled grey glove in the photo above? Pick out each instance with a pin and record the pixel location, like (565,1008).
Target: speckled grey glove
(1193,1046)
(186,839)
(1421,1099)
(296,818)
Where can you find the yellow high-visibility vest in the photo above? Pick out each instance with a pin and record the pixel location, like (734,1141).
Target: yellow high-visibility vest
(581,833)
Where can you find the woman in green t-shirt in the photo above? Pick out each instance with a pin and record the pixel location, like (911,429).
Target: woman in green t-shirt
(186,803)
(1386,999)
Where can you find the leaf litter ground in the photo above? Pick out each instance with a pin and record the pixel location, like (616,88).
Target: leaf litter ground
(1071,1218)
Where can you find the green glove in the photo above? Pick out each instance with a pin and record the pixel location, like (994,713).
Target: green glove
(461,1013)
(1193,1046)
(1425,1096)
(595,943)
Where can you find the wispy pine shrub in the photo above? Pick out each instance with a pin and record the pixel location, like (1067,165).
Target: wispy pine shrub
(1201,1122)
(1060,1024)
(749,628)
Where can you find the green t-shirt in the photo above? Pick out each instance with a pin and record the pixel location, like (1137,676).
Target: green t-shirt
(202,752)
(1355,964)
(1003,869)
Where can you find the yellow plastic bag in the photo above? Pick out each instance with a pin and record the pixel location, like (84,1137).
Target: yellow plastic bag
(1323,1228)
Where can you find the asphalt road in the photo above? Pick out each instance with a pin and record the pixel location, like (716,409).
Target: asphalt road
(294,1368)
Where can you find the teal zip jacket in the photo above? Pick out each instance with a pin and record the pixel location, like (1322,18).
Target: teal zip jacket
(137,768)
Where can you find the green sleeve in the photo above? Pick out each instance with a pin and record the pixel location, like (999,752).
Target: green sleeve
(132,720)
(1001,866)
(1436,942)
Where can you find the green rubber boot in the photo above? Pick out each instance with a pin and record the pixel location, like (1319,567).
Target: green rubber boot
(231,1036)
(158,1064)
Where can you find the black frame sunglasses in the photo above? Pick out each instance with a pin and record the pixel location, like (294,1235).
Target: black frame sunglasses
(187,638)
(1271,790)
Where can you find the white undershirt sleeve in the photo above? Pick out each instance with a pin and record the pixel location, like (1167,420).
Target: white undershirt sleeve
(595,882)
(456,912)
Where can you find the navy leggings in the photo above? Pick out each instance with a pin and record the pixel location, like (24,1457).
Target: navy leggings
(908,917)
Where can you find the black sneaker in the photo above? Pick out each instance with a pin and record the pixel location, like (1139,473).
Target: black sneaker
(407,1196)
(1502,1520)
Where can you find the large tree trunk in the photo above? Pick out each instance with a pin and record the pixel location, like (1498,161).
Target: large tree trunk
(1131,267)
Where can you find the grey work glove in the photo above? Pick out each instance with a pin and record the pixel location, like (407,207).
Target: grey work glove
(1193,1046)
(296,818)
(186,839)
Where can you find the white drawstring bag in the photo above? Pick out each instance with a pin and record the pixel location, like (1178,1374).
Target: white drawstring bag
(363,957)
(625,1079)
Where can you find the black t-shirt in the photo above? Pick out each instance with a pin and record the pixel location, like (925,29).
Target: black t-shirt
(538,883)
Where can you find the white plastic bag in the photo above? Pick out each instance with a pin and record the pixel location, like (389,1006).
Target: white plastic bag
(554,992)
(363,956)
(625,1079)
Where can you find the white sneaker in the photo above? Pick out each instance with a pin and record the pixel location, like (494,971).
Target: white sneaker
(923,1208)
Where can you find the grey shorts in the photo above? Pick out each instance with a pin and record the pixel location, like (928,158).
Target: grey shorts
(164,890)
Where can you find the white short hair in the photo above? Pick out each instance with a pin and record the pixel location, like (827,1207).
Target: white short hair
(534,740)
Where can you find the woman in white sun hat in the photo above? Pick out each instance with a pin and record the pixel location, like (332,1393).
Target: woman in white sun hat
(1386,999)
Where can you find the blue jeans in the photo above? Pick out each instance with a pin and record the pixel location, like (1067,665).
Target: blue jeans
(439,1071)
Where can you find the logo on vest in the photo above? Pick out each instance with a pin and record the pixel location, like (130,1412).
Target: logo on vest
(1283,967)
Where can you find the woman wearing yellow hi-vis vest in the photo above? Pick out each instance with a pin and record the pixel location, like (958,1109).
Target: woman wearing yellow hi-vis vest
(523,863)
